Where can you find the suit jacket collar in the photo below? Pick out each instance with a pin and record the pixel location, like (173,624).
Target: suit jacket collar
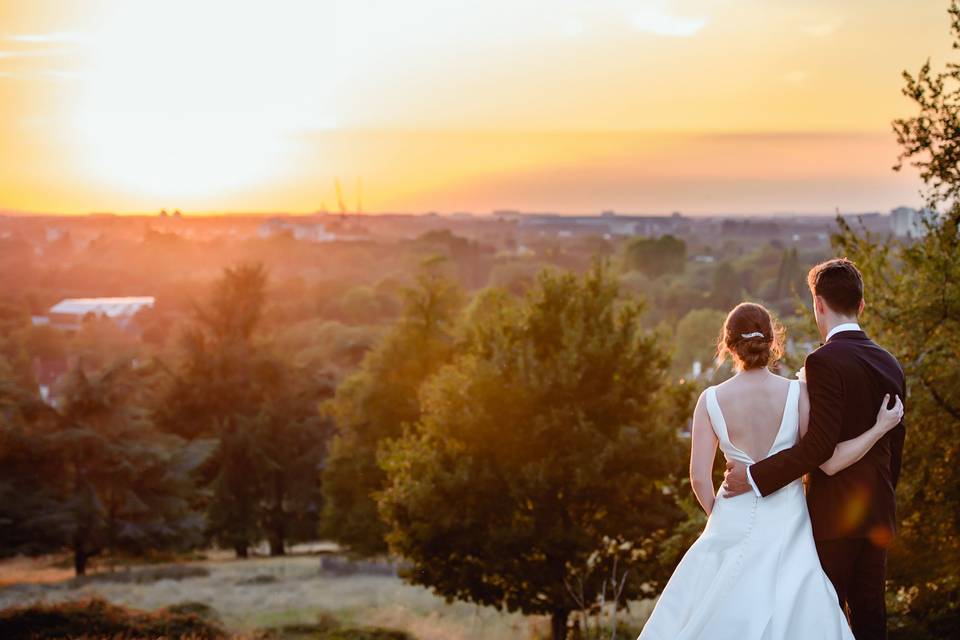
(848,335)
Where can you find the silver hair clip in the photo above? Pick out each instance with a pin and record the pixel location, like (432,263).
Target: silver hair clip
(755,334)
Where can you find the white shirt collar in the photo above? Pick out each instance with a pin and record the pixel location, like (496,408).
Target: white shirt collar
(846,326)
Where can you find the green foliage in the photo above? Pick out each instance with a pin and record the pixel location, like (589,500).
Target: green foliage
(372,633)
(929,140)
(791,276)
(99,618)
(727,291)
(94,474)
(375,403)
(695,338)
(14,358)
(547,432)
(291,438)
(263,477)
(656,256)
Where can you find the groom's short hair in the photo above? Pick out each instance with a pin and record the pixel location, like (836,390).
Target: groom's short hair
(839,283)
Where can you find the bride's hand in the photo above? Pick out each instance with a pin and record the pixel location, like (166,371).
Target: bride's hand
(887,419)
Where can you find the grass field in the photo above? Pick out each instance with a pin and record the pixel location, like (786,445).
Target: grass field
(271,592)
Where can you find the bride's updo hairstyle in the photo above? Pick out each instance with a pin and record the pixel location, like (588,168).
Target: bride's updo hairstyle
(751,337)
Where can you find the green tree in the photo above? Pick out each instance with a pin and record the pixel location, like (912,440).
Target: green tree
(727,291)
(94,475)
(263,412)
(14,357)
(790,275)
(656,256)
(376,402)
(695,338)
(548,432)
(291,436)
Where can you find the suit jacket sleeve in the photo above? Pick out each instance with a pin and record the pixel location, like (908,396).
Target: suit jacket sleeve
(897,435)
(823,432)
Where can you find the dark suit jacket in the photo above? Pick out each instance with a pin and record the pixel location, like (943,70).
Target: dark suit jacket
(846,379)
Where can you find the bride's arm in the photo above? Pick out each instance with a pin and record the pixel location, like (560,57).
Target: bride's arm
(850,451)
(703,449)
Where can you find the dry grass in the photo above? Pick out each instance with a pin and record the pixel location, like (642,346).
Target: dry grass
(258,593)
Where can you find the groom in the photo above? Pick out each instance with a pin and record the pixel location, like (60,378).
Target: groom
(853,512)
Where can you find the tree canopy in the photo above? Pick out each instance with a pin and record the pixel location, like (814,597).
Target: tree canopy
(547,435)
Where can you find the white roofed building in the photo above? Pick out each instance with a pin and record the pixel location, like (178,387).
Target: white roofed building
(70,313)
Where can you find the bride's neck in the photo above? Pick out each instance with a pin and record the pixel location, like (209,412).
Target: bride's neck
(762,372)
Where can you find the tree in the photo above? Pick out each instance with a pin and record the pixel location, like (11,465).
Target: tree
(727,291)
(790,275)
(93,475)
(695,338)
(547,432)
(913,297)
(375,403)
(261,410)
(656,256)
(14,328)
(291,436)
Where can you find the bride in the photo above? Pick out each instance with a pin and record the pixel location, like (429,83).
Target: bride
(754,574)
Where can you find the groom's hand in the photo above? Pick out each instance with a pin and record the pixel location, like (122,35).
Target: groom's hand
(735,480)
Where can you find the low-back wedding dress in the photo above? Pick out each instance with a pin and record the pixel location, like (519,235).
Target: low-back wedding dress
(754,573)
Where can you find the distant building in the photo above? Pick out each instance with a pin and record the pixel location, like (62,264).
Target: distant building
(309,231)
(907,222)
(69,313)
(608,222)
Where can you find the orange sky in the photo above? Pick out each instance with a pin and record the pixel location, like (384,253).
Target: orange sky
(449,105)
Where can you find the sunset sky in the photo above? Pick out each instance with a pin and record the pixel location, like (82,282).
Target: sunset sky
(701,106)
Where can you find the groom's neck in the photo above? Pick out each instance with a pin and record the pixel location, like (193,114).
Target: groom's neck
(837,320)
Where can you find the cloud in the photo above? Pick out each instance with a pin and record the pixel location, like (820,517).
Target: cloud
(657,21)
(62,37)
(61,74)
(822,29)
(33,54)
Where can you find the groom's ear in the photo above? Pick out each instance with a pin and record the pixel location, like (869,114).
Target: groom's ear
(818,304)
(863,304)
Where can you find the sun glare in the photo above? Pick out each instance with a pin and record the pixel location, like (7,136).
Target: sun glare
(194,99)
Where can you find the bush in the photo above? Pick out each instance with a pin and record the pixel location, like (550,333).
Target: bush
(97,617)
(942,624)
(372,633)
(200,609)
(328,627)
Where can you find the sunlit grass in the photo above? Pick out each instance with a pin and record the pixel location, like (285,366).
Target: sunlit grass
(262,593)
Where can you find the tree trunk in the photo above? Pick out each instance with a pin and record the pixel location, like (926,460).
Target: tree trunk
(79,560)
(278,534)
(241,549)
(276,542)
(558,624)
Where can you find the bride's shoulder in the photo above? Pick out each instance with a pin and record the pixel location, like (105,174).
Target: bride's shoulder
(801,382)
(785,379)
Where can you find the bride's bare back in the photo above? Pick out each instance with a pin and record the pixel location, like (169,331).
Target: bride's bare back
(753,403)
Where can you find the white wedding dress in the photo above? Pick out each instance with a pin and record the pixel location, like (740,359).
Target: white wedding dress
(754,573)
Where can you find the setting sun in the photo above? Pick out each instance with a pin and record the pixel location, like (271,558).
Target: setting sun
(438,105)
(189,98)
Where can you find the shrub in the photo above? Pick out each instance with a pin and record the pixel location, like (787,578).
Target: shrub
(97,617)
(372,633)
